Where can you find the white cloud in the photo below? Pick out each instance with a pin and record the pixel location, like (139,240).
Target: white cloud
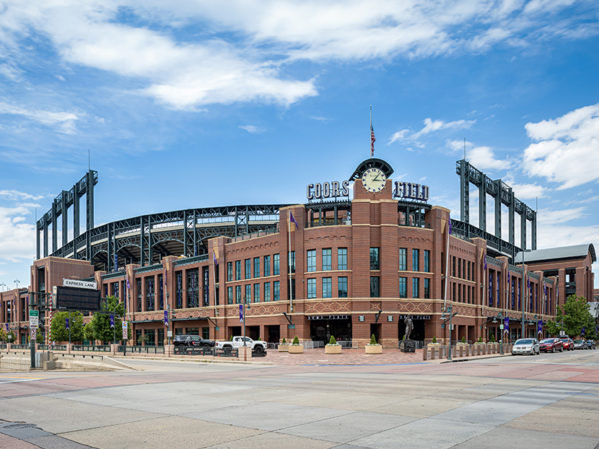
(566,148)
(238,53)
(526,191)
(430,126)
(64,120)
(17,237)
(483,158)
(437,125)
(15,195)
(252,129)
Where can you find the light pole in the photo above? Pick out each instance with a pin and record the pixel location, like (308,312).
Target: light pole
(522,296)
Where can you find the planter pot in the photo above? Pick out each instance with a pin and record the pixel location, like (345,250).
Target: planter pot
(283,347)
(332,349)
(433,345)
(296,349)
(374,349)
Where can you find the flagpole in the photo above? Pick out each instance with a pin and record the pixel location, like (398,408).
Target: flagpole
(289,261)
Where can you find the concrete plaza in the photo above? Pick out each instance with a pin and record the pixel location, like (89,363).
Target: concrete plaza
(311,401)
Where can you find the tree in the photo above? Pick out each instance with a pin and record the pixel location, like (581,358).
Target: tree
(101,320)
(575,316)
(88,332)
(59,328)
(39,337)
(2,335)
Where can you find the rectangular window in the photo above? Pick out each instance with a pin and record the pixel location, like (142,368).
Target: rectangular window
(375,291)
(327,287)
(427,261)
(256,267)
(193,293)
(311,288)
(161,288)
(229,295)
(248,268)
(427,288)
(256,292)
(248,293)
(149,293)
(374,260)
(403,287)
(237,270)
(342,287)
(266,291)
(276,291)
(205,333)
(311,260)
(453,266)
(266,265)
(275,262)
(342,258)
(415,260)
(327,263)
(229,271)
(179,289)
(291,264)
(403,259)
(238,294)
(415,288)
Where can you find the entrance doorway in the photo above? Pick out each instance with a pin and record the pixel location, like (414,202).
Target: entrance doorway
(321,330)
(375,329)
(273,333)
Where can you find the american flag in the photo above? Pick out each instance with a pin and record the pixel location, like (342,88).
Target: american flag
(372,140)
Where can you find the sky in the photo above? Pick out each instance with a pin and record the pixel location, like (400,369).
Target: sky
(186,104)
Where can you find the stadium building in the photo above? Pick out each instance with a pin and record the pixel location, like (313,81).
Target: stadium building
(362,256)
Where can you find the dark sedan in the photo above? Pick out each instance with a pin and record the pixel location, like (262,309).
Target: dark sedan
(551,345)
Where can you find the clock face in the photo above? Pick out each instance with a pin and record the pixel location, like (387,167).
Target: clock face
(373,180)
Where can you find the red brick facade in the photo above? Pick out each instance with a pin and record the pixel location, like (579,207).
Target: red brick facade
(202,294)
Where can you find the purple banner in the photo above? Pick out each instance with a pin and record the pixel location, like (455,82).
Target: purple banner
(506,323)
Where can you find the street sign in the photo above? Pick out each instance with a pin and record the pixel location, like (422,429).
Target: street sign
(125,333)
(501,326)
(169,334)
(34,318)
(33,333)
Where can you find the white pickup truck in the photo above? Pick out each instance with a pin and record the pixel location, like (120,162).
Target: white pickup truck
(258,346)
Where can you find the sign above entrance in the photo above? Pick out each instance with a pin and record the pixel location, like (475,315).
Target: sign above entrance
(327,317)
(79,284)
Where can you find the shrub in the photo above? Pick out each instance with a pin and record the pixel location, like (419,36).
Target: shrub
(434,339)
(284,342)
(295,340)
(332,340)
(372,340)
(480,339)
(492,338)
(463,339)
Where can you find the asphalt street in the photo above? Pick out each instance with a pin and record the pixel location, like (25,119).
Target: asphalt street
(546,401)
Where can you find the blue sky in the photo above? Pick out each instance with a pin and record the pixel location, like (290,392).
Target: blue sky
(215,103)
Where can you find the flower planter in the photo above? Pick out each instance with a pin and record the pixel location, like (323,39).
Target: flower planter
(283,347)
(332,349)
(296,349)
(374,349)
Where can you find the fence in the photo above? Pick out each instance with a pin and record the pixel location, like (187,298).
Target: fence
(43,347)
(91,348)
(142,349)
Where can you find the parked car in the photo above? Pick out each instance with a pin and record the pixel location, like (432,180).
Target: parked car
(568,343)
(258,346)
(551,345)
(192,340)
(579,344)
(590,344)
(526,346)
